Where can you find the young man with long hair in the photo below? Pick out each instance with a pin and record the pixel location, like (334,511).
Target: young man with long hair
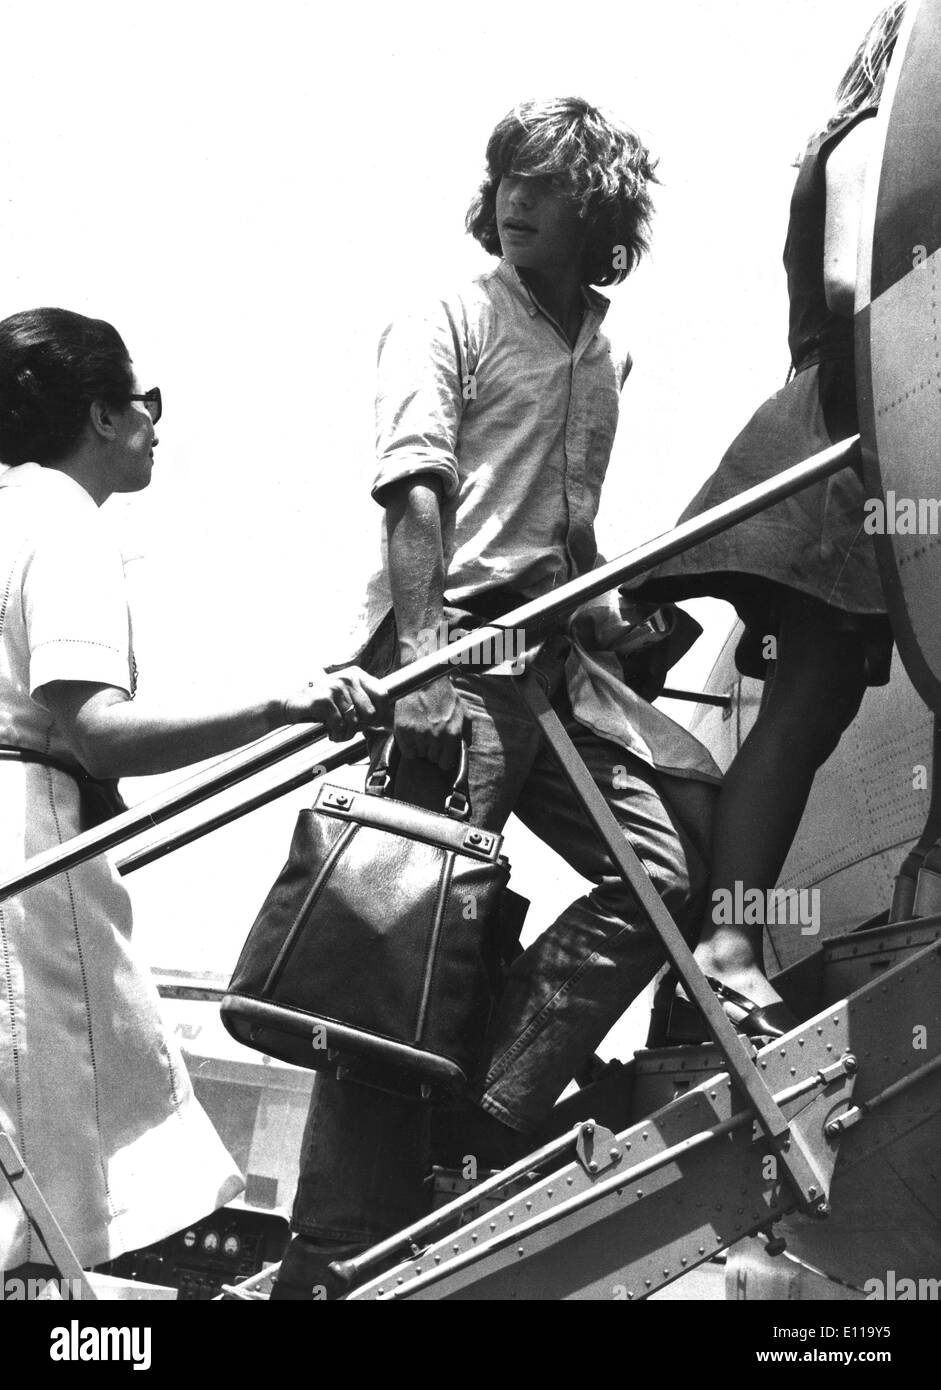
(496,412)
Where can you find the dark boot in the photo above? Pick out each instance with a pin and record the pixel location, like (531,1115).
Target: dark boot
(305,1274)
(466,1131)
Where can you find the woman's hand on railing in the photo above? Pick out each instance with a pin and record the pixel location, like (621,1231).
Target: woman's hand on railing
(344,700)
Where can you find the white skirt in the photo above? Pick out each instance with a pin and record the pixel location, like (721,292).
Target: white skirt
(92,1090)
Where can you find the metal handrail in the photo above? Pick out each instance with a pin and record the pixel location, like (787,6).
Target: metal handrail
(158,849)
(535,618)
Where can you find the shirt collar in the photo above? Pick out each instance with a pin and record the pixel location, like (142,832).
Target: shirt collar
(33,475)
(595,303)
(15,475)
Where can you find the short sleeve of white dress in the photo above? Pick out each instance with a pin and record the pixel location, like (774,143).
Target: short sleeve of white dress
(75,607)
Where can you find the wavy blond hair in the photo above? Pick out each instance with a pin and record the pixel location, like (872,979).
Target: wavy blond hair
(864,79)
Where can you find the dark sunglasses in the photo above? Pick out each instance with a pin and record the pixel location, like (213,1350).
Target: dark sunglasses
(153,401)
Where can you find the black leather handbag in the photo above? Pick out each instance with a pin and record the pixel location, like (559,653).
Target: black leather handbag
(377,950)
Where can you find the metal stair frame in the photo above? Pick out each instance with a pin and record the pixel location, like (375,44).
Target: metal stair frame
(699,1174)
(41,1218)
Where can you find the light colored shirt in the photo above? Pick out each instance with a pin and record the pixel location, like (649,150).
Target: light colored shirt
(63,607)
(483,390)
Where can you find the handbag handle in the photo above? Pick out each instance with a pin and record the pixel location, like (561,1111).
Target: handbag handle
(383,770)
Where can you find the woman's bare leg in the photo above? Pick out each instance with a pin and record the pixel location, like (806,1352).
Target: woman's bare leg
(818,684)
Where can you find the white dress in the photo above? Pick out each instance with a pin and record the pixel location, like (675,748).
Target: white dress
(92,1090)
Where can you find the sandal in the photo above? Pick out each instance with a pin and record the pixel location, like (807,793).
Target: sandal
(687,1025)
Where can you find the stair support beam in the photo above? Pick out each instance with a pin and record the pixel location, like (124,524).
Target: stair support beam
(40,1216)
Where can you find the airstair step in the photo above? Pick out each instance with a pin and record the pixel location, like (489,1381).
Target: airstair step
(663,1074)
(844,964)
(851,962)
(625,1094)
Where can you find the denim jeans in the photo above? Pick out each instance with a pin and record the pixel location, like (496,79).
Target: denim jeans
(365,1153)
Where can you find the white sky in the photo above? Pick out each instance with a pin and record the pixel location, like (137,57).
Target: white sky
(247,192)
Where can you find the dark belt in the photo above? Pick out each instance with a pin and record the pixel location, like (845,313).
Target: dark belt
(547,654)
(100,798)
(494,603)
(491,604)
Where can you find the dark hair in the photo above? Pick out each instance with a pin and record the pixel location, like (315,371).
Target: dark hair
(863,82)
(53,365)
(601,163)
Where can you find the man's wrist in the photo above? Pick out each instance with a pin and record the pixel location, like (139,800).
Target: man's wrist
(415,644)
(277,713)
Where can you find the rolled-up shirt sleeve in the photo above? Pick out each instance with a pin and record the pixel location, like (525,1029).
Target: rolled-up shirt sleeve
(419,400)
(75,611)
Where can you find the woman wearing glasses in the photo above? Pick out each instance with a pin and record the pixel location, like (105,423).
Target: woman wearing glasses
(92,1091)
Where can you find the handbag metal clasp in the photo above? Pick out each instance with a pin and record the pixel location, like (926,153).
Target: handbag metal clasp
(336,797)
(480,840)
